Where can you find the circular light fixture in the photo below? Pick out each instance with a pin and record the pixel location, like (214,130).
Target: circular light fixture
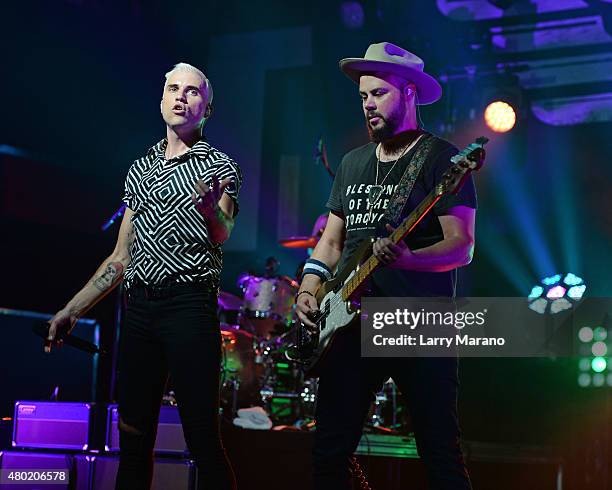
(558,293)
(585,334)
(599,364)
(599,349)
(584,364)
(500,116)
(600,333)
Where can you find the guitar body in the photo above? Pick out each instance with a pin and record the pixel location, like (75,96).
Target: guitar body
(337,314)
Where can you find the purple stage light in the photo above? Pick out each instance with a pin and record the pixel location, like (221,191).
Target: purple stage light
(352,15)
(556,292)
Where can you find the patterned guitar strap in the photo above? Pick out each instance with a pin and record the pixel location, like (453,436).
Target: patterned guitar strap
(397,202)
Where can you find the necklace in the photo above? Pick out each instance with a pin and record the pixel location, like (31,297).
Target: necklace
(376,190)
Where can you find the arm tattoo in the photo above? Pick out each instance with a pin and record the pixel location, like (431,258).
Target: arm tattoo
(112,272)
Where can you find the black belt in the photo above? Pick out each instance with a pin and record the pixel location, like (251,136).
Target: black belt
(156,291)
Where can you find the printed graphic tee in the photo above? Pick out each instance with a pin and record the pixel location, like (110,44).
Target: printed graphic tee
(349,199)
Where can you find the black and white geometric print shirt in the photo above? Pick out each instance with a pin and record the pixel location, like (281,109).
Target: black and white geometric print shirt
(171,243)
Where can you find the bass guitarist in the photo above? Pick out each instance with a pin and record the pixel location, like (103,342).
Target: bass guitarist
(392,84)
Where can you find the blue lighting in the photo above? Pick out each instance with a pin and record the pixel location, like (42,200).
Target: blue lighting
(572,279)
(536,292)
(549,281)
(576,292)
(550,296)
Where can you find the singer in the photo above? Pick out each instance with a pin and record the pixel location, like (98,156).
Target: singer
(182,199)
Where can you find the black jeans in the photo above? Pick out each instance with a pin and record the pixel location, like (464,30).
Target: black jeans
(346,389)
(177,335)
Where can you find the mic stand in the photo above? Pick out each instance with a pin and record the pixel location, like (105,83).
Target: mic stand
(118,317)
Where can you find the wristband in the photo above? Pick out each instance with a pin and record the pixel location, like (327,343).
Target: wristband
(318,268)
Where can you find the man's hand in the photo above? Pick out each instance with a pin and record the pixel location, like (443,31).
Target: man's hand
(389,253)
(306,307)
(63,322)
(207,198)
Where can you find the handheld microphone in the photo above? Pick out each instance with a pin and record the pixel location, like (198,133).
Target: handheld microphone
(42,330)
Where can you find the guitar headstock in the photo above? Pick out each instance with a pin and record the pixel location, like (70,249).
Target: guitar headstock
(468,160)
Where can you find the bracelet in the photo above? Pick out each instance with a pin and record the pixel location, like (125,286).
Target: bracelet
(303,292)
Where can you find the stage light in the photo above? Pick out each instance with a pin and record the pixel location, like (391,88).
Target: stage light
(599,364)
(549,281)
(500,116)
(560,304)
(584,380)
(600,333)
(550,296)
(539,306)
(352,15)
(536,292)
(599,349)
(598,380)
(571,279)
(584,364)
(592,349)
(576,292)
(556,292)
(501,101)
(585,334)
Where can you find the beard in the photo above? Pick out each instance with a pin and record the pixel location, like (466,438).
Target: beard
(388,126)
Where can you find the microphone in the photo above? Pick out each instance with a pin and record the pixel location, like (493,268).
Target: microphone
(42,330)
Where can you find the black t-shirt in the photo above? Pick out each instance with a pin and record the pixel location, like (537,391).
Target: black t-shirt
(348,198)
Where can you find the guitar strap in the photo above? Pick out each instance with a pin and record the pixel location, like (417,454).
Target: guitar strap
(397,202)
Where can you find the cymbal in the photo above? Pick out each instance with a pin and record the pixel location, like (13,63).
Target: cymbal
(307,241)
(299,241)
(227,301)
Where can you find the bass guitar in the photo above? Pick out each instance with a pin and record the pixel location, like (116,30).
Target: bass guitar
(338,298)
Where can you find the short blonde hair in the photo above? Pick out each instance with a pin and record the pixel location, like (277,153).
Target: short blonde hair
(193,69)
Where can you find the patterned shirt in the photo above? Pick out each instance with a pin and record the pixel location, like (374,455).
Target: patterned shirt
(171,241)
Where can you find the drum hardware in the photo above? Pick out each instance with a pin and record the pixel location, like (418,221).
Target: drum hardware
(261,345)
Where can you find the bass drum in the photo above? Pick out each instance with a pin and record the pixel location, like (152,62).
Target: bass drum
(240,374)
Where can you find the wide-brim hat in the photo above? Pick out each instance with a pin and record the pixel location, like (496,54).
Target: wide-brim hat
(389,58)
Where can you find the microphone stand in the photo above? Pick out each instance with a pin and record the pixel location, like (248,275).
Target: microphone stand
(119,307)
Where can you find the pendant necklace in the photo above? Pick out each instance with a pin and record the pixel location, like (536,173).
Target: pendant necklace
(376,190)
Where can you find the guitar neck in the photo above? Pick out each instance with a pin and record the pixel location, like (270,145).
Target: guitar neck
(369,266)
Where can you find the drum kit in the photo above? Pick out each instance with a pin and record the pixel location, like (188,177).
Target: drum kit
(259,331)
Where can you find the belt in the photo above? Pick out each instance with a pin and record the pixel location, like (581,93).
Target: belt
(156,291)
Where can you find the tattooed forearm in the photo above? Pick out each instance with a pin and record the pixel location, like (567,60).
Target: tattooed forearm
(219,225)
(112,272)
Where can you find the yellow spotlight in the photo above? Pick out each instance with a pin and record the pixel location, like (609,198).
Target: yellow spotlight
(500,116)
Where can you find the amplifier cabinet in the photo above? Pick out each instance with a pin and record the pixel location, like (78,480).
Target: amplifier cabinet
(100,473)
(53,425)
(32,464)
(170,438)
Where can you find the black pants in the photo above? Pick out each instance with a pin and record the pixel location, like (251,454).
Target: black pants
(177,335)
(346,389)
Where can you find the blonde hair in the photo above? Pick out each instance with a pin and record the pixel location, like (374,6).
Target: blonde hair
(193,69)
